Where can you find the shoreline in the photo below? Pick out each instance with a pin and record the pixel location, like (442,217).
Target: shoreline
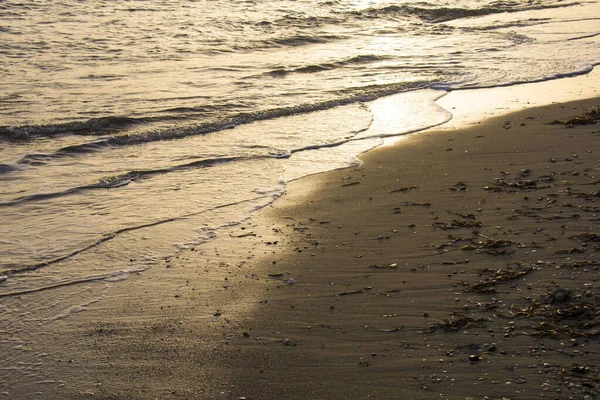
(471,106)
(439,266)
(365,249)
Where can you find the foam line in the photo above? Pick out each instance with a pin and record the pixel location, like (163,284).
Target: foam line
(69,283)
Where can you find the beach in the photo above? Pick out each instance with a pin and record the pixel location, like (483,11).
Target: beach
(299,199)
(448,280)
(460,262)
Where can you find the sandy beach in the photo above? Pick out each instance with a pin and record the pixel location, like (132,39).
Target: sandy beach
(315,199)
(457,264)
(460,262)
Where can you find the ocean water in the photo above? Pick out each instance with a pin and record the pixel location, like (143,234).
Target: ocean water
(130,130)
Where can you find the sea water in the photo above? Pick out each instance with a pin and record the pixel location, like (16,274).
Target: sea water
(130,130)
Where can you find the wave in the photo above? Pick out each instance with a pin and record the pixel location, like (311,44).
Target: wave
(313,68)
(116,181)
(424,11)
(94,126)
(343,21)
(294,40)
(11,270)
(109,277)
(584,37)
(7,168)
(444,14)
(259,152)
(301,40)
(118,124)
(582,70)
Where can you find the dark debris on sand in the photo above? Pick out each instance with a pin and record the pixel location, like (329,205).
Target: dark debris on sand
(544,294)
(587,118)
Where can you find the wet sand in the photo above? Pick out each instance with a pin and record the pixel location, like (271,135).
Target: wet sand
(457,263)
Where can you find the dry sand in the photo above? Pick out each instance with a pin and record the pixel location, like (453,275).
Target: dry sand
(458,263)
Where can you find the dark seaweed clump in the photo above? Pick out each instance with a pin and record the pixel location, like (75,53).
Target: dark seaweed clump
(588,118)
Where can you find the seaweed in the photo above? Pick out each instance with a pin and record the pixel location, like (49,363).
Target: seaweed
(459,187)
(404,189)
(573,250)
(417,204)
(488,285)
(465,261)
(587,237)
(481,287)
(507,274)
(354,291)
(504,184)
(453,325)
(571,264)
(456,224)
(588,118)
(384,266)
(561,312)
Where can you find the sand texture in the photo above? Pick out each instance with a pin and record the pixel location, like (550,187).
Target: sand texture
(455,264)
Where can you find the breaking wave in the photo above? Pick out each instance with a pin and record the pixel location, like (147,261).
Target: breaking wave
(118,125)
(444,14)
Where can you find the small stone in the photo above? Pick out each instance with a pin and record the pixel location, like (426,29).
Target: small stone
(474,358)
(560,295)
